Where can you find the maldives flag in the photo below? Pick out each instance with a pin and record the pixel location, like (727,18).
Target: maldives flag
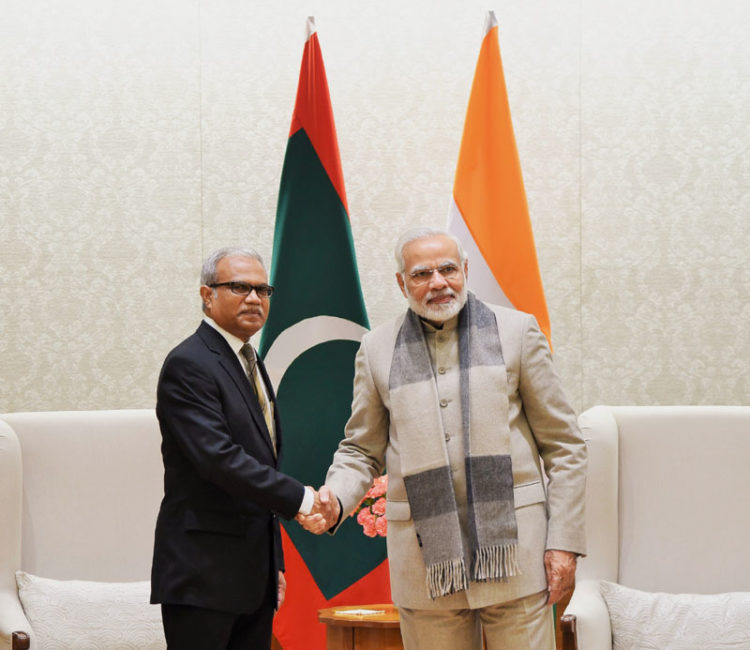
(489,213)
(316,321)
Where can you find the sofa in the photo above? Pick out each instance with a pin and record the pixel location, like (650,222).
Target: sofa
(668,526)
(79,495)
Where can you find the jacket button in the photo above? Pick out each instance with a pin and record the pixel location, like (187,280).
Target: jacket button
(443,402)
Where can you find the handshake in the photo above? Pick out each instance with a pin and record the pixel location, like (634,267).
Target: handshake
(324,514)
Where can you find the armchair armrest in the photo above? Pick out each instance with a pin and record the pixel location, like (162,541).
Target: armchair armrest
(12,619)
(586,624)
(21,641)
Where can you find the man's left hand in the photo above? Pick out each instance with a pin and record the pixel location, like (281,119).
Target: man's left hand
(561,573)
(282,590)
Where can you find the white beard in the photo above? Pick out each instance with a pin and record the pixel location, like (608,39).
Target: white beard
(438,313)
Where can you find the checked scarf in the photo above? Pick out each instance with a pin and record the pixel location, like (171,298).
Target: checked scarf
(415,410)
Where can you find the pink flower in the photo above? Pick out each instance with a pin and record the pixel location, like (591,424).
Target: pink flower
(367,520)
(370,530)
(381,526)
(379,487)
(365,517)
(370,511)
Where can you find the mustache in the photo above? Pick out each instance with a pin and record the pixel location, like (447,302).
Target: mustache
(258,311)
(440,294)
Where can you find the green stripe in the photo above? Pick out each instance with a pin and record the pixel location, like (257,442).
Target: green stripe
(315,273)
(314,265)
(315,402)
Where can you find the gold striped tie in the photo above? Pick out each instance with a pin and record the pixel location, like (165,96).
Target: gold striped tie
(256,381)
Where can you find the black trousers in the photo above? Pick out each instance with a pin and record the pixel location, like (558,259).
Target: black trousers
(195,628)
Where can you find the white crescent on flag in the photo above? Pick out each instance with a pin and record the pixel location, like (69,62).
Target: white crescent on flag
(302,336)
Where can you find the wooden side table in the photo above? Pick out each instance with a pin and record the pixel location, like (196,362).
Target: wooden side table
(358,632)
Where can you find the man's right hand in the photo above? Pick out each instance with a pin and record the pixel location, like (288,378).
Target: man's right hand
(330,505)
(325,512)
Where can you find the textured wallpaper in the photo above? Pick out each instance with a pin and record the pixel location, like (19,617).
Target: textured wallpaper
(136,137)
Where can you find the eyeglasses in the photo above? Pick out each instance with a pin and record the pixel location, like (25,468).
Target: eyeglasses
(423,276)
(244,289)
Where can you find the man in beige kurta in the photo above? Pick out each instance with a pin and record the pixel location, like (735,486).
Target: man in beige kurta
(512,608)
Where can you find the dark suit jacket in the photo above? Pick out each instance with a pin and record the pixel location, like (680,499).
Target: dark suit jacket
(217,541)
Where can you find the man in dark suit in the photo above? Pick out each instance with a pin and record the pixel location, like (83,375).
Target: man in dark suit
(218,563)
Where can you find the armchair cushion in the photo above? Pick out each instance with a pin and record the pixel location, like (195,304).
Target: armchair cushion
(90,615)
(646,620)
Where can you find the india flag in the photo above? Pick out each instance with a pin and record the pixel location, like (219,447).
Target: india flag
(316,321)
(488,212)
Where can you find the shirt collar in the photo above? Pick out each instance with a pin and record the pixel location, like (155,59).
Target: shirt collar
(448,325)
(234,342)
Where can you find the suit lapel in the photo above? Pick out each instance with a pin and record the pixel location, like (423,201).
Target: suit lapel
(231,364)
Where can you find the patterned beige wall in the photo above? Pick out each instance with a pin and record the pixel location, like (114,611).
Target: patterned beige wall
(137,136)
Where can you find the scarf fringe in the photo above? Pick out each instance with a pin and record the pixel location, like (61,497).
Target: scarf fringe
(495,562)
(446,578)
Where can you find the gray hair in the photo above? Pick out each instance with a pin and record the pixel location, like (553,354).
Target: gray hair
(208,271)
(421,233)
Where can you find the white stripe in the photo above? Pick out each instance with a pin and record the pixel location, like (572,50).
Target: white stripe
(481,280)
(489,23)
(302,336)
(311,28)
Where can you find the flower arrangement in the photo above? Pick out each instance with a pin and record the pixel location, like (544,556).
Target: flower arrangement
(370,511)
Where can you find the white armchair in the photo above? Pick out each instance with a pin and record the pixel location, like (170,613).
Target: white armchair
(79,494)
(668,503)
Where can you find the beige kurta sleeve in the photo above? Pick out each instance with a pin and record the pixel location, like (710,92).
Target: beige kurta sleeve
(360,456)
(561,446)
